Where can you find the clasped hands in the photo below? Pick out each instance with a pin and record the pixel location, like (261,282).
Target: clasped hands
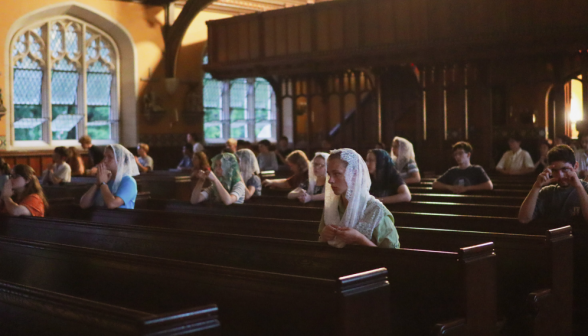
(205,174)
(344,234)
(103,175)
(304,197)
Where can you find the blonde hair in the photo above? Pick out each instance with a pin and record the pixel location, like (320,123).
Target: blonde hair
(232,142)
(144,147)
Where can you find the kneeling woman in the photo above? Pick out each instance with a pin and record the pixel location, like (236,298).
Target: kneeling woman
(115,186)
(249,172)
(387,185)
(22,194)
(227,184)
(352,215)
(314,189)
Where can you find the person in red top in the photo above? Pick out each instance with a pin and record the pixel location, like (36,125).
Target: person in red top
(22,194)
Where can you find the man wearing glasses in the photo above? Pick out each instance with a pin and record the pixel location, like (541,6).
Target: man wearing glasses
(558,194)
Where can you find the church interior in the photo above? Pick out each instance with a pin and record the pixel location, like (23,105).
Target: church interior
(297,206)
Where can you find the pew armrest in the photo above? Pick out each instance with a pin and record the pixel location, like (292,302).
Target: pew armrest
(539,301)
(455,327)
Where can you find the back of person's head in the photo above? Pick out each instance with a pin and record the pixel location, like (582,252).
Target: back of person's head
(32,187)
(299,159)
(4,167)
(62,152)
(562,153)
(144,147)
(194,136)
(516,136)
(85,140)
(467,148)
(189,149)
(203,161)
(265,143)
(566,140)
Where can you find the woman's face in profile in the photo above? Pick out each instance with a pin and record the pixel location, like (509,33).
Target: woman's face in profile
(109,160)
(395,147)
(318,164)
(371,163)
(293,167)
(218,169)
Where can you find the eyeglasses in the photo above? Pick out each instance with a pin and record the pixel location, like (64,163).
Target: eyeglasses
(315,165)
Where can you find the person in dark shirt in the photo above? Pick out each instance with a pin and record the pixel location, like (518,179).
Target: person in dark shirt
(387,185)
(558,194)
(465,177)
(95,154)
(186,163)
(282,150)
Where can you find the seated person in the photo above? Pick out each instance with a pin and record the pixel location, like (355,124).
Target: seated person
(22,194)
(282,150)
(193,139)
(465,177)
(59,172)
(186,163)
(566,199)
(144,161)
(298,163)
(74,160)
(4,172)
(562,140)
(267,159)
(405,161)
(95,154)
(541,164)
(353,216)
(516,161)
(314,189)
(582,156)
(231,146)
(115,186)
(249,172)
(387,185)
(227,183)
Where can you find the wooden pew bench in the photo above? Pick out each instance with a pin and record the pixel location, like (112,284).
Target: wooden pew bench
(495,192)
(446,280)
(31,311)
(250,302)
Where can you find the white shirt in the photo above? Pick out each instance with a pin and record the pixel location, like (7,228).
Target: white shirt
(582,159)
(515,161)
(198,147)
(63,172)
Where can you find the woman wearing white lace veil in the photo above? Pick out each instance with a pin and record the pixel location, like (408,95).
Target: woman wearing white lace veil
(314,189)
(405,161)
(226,182)
(115,186)
(249,172)
(352,215)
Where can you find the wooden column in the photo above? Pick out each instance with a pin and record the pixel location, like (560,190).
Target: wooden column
(585,86)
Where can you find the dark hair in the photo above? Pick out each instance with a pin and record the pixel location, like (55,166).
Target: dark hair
(567,140)
(204,164)
(283,137)
(266,143)
(462,145)
(516,137)
(189,147)
(32,187)
(61,151)
(298,158)
(194,136)
(4,167)
(385,172)
(543,142)
(561,153)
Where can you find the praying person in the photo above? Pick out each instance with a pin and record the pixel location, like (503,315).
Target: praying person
(186,163)
(193,139)
(298,163)
(405,161)
(386,184)
(144,161)
(314,189)
(559,202)
(22,194)
(465,177)
(249,172)
(352,216)
(95,154)
(59,172)
(74,160)
(267,159)
(516,161)
(227,184)
(115,186)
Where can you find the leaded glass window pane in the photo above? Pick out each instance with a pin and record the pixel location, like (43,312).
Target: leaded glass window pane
(213,106)
(263,109)
(99,93)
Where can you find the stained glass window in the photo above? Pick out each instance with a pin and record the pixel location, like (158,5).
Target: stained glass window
(72,110)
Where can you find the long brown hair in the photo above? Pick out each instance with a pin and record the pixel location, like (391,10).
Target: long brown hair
(4,167)
(300,159)
(204,164)
(32,187)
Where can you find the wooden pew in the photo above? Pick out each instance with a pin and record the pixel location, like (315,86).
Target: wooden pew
(31,311)
(250,302)
(167,185)
(458,282)
(495,192)
(497,185)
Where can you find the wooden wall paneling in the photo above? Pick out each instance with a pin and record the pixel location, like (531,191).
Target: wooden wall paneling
(480,107)
(222,43)
(435,138)
(585,84)
(255,38)
(306,32)
(46,162)
(336,30)
(243,34)
(455,103)
(293,27)
(211,43)
(387,19)
(335,110)
(371,32)
(22,160)
(403,16)
(322,29)
(233,37)
(269,34)
(319,128)
(281,35)
(351,17)
(36,163)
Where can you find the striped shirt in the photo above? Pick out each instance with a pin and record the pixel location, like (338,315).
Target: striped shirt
(238,190)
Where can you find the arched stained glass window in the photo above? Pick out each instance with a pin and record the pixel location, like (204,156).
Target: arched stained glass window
(243,108)
(64,84)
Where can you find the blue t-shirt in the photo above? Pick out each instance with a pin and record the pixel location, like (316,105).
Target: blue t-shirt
(127,191)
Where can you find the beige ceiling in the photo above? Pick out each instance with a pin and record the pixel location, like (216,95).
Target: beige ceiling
(240,7)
